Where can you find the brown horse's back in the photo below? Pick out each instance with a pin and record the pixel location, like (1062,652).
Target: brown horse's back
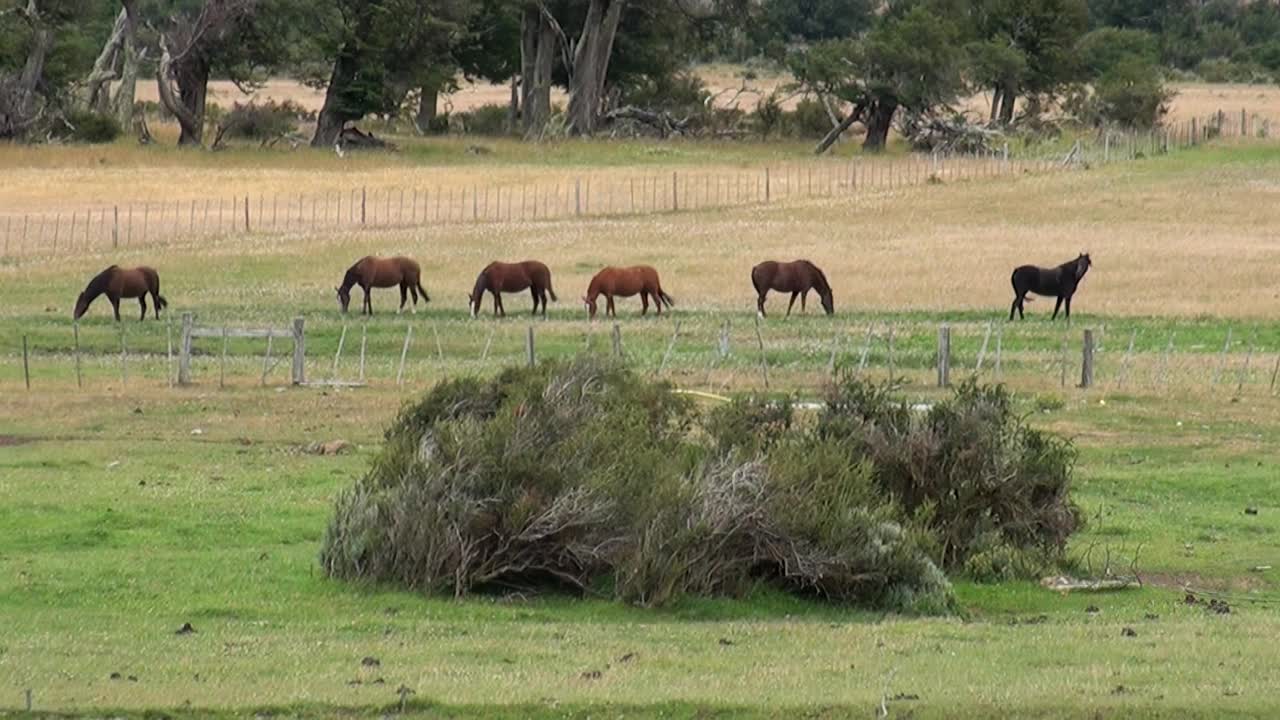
(625,282)
(134,282)
(388,272)
(795,276)
(515,277)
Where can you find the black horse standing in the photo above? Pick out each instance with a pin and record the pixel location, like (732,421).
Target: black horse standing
(1060,282)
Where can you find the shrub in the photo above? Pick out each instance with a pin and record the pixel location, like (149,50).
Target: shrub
(262,121)
(969,470)
(808,120)
(482,120)
(768,115)
(584,476)
(90,127)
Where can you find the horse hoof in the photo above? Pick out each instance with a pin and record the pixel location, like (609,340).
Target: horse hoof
(759,314)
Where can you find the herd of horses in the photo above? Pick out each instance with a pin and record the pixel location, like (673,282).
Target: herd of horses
(799,277)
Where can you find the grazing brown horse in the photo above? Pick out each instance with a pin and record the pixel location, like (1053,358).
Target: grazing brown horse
(797,277)
(116,282)
(1060,282)
(500,277)
(625,282)
(376,272)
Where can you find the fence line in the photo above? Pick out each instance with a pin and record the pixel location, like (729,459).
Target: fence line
(172,222)
(702,352)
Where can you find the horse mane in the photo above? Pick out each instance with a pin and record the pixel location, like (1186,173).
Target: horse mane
(98,284)
(822,285)
(352,277)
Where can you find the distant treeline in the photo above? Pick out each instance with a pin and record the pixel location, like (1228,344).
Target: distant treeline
(68,68)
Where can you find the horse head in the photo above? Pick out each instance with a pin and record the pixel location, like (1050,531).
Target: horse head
(474,304)
(1082,265)
(82,305)
(590,304)
(344,298)
(828,303)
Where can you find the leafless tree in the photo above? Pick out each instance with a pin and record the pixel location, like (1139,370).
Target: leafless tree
(186,47)
(21,104)
(118,62)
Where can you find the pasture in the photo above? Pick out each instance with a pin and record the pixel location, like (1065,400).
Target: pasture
(128,507)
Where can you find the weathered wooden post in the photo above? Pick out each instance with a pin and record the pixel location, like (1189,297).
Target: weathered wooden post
(404,353)
(342,339)
(115,229)
(1244,370)
(26,364)
(944,355)
(617,340)
(764,361)
(222,365)
(675,195)
(531,358)
(982,352)
(246,214)
(577,197)
(75,331)
(1275,371)
(168,348)
(364,341)
(266,357)
(667,355)
(184,351)
(299,352)
(767,185)
(1222,359)
(364,201)
(1086,360)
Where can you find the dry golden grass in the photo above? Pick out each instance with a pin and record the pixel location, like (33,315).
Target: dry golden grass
(1185,235)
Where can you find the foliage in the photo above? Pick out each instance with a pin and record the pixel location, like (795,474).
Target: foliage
(488,119)
(582,475)
(263,121)
(809,119)
(88,127)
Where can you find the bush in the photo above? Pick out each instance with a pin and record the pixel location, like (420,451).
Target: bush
(482,120)
(90,127)
(808,120)
(969,470)
(583,476)
(262,121)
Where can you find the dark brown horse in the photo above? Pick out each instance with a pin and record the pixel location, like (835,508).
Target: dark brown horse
(375,272)
(624,282)
(116,282)
(797,277)
(500,277)
(1060,282)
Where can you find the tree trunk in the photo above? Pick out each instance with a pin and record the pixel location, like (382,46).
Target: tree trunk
(1007,98)
(879,120)
(537,56)
(591,64)
(995,103)
(21,111)
(513,109)
(191,75)
(107,67)
(122,100)
(427,103)
(836,131)
(333,116)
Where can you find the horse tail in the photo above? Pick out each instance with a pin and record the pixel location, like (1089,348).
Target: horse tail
(551,292)
(670,301)
(425,296)
(161,302)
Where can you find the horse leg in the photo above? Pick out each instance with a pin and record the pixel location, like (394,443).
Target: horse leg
(1068,308)
(497,300)
(803,296)
(1013,308)
(543,294)
(404,297)
(413,292)
(1056,306)
(155,302)
(115,305)
(613,312)
(368,303)
(644,302)
(143,302)
(760,302)
(792,303)
(533,290)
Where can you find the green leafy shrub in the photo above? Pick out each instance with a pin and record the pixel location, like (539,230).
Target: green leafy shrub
(483,120)
(808,120)
(263,121)
(90,127)
(584,476)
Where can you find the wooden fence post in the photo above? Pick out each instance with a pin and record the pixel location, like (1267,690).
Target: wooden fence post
(675,195)
(982,353)
(75,330)
(364,200)
(891,368)
(1086,361)
(617,340)
(530,355)
(1244,370)
(404,353)
(246,214)
(767,185)
(222,365)
(577,197)
(184,351)
(1128,360)
(115,229)
(26,365)
(124,357)
(342,339)
(667,355)
(1222,359)
(1275,371)
(299,351)
(364,339)
(168,348)
(266,357)
(944,355)
(764,361)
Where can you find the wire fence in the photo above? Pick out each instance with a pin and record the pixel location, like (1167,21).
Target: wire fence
(163,223)
(709,352)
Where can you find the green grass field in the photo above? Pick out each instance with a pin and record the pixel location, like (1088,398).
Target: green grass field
(128,508)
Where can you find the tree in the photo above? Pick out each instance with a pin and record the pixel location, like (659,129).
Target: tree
(118,62)
(44,46)
(1025,47)
(908,61)
(378,49)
